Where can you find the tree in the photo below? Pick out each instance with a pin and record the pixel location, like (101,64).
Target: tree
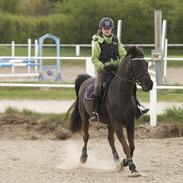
(10,6)
(41,7)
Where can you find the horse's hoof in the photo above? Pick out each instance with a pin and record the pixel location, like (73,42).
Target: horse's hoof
(119,167)
(83,159)
(124,162)
(135,174)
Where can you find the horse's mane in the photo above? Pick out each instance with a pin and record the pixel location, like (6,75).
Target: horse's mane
(132,52)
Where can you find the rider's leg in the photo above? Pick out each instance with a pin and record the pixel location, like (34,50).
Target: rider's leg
(140,109)
(100,77)
(96,103)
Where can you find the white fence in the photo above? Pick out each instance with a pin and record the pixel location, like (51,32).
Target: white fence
(153,100)
(36,64)
(89,70)
(77,47)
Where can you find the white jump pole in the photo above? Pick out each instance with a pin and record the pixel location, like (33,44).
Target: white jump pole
(153,104)
(13,48)
(77,50)
(29,48)
(119,29)
(165,59)
(13,55)
(163,37)
(36,54)
(29,54)
(157,39)
(163,45)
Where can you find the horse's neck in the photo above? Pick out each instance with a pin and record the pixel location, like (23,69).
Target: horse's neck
(122,83)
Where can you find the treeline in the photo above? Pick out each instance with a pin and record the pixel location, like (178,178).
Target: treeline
(19,28)
(75,21)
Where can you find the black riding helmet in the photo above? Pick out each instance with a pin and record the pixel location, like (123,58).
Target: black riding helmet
(106,22)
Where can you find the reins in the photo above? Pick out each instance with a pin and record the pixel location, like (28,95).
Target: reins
(135,79)
(124,79)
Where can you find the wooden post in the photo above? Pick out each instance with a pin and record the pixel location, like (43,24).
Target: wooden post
(77,50)
(163,48)
(29,55)
(153,105)
(119,29)
(36,54)
(13,48)
(157,33)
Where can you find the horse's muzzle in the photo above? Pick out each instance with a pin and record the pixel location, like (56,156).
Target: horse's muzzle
(147,85)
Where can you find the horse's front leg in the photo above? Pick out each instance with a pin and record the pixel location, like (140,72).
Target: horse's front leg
(130,134)
(128,161)
(113,148)
(84,154)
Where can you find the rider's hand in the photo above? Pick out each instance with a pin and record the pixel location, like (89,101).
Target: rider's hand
(110,68)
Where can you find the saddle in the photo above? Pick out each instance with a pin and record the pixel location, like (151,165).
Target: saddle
(104,88)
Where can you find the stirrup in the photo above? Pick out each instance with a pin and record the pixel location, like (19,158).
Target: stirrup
(94,117)
(141,111)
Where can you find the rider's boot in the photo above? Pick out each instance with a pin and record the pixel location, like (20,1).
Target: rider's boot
(94,116)
(140,110)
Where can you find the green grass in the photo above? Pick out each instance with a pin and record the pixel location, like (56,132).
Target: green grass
(174,115)
(37,93)
(42,123)
(163,95)
(84,52)
(57,118)
(171,116)
(17,93)
(47,51)
(70,51)
(175,63)
(170,95)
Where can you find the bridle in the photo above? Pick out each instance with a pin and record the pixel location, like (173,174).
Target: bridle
(135,79)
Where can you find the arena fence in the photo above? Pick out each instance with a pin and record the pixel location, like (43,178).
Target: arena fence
(90,70)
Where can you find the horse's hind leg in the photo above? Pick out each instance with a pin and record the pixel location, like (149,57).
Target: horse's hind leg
(84,154)
(113,148)
(111,142)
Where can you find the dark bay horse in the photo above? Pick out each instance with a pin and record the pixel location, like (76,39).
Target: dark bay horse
(118,109)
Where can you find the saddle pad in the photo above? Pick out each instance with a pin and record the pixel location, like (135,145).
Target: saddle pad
(89,92)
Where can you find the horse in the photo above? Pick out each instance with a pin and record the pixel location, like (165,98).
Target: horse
(118,109)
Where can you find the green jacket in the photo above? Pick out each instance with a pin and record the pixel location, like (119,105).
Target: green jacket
(96,50)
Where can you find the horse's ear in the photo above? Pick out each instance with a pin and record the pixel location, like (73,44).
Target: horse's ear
(137,51)
(141,48)
(130,50)
(134,51)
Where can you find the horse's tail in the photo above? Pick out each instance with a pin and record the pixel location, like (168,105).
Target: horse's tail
(75,119)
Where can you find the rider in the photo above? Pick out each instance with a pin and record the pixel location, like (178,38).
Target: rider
(107,54)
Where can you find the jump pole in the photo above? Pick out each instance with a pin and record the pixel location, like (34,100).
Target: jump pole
(119,29)
(29,54)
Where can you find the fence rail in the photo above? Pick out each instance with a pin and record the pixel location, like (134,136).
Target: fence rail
(153,100)
(37,85)
(85,45)
(89,70)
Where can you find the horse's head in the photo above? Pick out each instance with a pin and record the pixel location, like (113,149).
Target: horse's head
(138,68)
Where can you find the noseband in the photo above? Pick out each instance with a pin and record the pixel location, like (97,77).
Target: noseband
(135,79)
